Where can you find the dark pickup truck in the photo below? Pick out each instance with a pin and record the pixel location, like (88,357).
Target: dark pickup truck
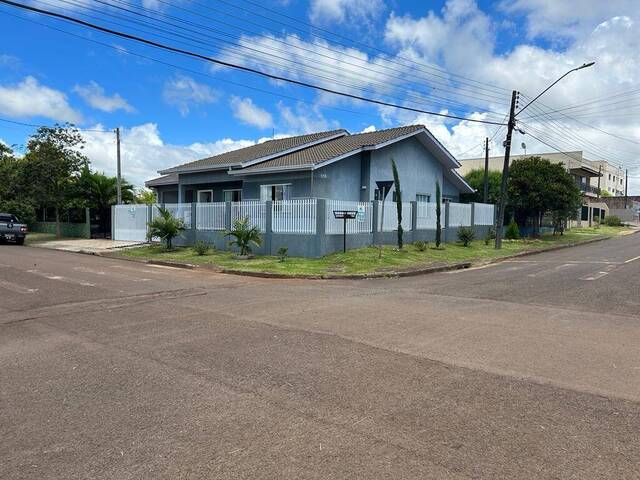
(11,229)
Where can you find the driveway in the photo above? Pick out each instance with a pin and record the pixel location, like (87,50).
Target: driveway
(93,245)
(524,369)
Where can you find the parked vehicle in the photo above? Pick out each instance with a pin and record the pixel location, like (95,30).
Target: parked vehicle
(11,230)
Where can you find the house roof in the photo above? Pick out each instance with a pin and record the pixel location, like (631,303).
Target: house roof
(256,153)
(331,150)
(171,179)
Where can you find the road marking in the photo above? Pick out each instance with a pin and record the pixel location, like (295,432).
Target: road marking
(140,270)
(600,274)
(632,259)
(549,271)
(60,278)
(111,274)
(14,287)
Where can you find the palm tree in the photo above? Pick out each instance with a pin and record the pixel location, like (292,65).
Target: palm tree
(166,227)
(244,236)
(99,192)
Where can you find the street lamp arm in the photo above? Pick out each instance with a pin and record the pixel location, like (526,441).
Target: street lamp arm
(584,65)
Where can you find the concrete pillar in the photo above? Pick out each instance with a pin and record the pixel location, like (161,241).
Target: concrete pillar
(227,216)
(268,231)
(473,213)
(375,223)
(321,219)
(446,222)
(414,216)
(113,222)
(194,221)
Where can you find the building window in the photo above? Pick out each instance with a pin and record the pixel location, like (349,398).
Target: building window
(275,192)
(233,195)
(205,196)
(609,176)
(423,198)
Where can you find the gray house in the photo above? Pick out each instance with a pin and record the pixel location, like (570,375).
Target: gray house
(334,164)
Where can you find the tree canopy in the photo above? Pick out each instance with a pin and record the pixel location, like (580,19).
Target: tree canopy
(475,178)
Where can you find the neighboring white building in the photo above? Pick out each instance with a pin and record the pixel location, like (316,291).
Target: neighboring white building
(612,178)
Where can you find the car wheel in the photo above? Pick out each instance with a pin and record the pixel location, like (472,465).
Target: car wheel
(20,241)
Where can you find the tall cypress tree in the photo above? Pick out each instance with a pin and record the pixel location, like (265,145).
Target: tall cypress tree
(396,180)
(438,215)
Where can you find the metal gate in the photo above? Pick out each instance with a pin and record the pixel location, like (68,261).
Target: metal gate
(130,222)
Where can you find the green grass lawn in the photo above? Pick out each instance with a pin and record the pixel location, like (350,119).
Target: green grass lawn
(37,237)
(365,260)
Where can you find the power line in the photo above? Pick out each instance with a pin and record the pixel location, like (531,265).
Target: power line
(47,126)
(232,65)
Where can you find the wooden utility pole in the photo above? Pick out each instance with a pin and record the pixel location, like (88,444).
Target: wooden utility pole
(486,170)
(505,170)
(119,173)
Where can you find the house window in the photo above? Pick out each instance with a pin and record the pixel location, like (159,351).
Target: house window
(233,195)
(275,192)
(205,196)
(423,198)
(609,176)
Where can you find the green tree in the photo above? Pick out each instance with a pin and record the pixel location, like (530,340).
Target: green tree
(166,227)
(146,196)
(475,178)
(538,187)
(99,191)
(53,163)
(14,192)
(396,181)
(438,215)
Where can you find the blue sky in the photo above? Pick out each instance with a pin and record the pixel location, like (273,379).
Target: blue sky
(169,115)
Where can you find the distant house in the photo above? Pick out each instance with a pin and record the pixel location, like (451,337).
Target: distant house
(334,164)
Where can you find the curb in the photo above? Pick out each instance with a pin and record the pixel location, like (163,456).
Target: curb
(359,276)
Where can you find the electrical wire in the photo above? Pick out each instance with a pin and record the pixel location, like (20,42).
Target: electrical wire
(229,64)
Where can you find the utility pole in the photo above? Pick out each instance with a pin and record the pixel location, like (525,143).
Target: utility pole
(119,174)
(626,185)
(505,170)
(599,175)
(486,170)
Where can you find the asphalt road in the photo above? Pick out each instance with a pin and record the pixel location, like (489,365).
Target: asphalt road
(525,369)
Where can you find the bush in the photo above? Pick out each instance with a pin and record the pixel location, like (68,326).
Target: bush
(513,231)
(613,221)
(201,247)
(244,236)
(466,235)
(283,253)
(420,245)
(491,235)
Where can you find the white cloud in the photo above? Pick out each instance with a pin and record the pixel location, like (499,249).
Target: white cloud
(304,119)
(325,12)
(144,152)
(247,112)
(369,129)
(557,19)
(185,93)
(94,95)
(31,99)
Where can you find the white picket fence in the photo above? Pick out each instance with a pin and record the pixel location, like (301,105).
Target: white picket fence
(391,216)
(130,222)
(210,216)
(178,210)
(294,216)
(426,216)
(253,210)
(363,223)
(459,214)
(483,213)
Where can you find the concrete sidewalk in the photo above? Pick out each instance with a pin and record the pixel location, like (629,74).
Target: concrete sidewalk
(94,245)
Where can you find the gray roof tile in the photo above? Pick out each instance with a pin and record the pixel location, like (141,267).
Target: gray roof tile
(257,151)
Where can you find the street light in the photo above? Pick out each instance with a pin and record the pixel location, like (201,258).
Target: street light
(584,65)
(507,150)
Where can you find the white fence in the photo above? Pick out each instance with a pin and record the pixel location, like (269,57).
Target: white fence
(483,214)
(254,211)
(294,216)
(178,210)
(459,214)
(130,222)
(210,216)
(426,216)
(391,216)
(363,223)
